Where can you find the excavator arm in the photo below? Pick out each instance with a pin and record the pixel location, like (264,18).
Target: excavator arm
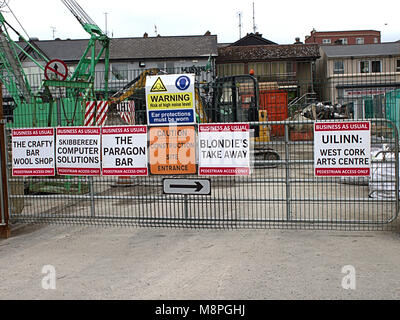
(130,89)
(200,110)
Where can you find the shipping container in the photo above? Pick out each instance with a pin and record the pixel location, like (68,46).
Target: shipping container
(275,102)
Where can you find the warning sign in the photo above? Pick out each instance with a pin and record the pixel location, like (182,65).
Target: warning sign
(170,99)
(224,150)
(33,152)
(78,151)
(158,86)
(124,151)
(173,150)
(342,149)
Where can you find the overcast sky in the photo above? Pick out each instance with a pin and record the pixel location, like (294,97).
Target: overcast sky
(280,21)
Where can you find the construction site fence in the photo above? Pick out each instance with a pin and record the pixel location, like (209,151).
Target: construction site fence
(281,191)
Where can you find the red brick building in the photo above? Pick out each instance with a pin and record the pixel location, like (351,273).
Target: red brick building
(344,37)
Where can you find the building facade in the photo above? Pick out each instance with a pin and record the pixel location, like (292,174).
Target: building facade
(351,37)
(351,74)
(289,67)
(129,57)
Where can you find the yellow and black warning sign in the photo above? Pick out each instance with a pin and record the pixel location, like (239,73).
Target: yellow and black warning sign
(170,99)
(159,86)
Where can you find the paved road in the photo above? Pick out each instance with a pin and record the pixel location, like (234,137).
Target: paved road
(97,263)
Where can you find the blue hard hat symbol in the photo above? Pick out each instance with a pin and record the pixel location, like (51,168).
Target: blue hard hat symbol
(183,83)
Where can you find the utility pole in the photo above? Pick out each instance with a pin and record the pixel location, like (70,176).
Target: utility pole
(54,32)
(105,14)
(240,25)
(254,19)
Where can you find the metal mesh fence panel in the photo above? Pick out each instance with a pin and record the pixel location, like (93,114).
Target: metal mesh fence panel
(282,190)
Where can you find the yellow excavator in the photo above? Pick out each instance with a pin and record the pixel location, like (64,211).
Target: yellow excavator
(133,87)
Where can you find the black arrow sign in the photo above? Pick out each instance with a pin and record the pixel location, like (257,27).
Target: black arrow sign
(186,186)
(198,186)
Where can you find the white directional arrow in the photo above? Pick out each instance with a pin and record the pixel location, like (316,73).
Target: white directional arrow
(187,186)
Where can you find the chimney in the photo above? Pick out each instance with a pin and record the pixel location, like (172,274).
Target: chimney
(298,41)
(145,35)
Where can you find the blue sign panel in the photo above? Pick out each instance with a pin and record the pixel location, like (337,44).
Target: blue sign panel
(171,116)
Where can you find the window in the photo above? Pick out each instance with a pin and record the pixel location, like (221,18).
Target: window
(274,68)
(364,66)
(282,68)
(267,68)
(257,67)
(119,71)
(170,67)
(326,41)
(221,70)
(376,66)
(398,66)
(375,40)
(290,68)
(34,75)
(359,40)
(238,68)
(231,69)
(343,40)
(338,67)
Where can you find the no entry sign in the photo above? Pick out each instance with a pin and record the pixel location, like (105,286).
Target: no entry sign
(124,151)
(342,149)
(56,70)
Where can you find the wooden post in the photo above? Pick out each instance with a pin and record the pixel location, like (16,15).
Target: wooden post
(5,231)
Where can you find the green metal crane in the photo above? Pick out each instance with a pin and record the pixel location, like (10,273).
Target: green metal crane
(84,74)
(12,74)
(56,103)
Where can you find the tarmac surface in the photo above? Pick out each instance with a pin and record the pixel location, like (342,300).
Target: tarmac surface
(184,264)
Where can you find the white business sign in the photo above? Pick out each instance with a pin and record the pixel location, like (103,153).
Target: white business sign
(124,151)
(224,149)
(33,152)
(342,149)
(78,151)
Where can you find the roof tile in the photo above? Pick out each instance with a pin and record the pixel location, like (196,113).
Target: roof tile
(268,52)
